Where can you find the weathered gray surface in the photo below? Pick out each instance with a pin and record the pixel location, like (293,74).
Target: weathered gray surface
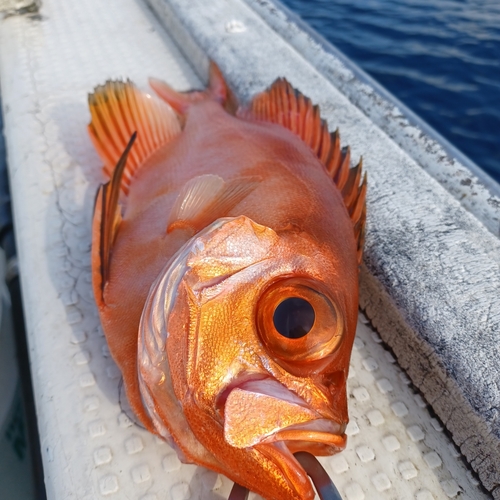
(432,271)
(475,190)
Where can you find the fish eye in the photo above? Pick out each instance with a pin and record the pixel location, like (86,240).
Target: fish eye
(298,321)
(294,317)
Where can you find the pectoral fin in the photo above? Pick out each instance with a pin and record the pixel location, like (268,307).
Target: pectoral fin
(206,198)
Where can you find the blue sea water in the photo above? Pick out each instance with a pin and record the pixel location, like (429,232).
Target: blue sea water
(439,57)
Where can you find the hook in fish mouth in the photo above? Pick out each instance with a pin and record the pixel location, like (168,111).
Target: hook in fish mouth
(322,482)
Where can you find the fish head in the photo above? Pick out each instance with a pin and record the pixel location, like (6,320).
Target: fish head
(244,350)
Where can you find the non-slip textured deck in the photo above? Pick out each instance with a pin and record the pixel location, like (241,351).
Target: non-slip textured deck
(91,449)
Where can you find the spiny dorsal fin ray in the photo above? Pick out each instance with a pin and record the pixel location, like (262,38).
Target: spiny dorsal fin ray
(118,109)
(206,198)
(332,162)
(353,178)
(343,169)
(107,216)
(283,104)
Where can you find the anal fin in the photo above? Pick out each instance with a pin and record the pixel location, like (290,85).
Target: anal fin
(206,198)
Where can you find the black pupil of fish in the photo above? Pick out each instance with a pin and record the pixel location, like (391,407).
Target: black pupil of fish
(294,318)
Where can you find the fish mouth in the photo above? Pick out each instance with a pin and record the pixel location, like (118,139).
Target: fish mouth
(264,411)
(265,415)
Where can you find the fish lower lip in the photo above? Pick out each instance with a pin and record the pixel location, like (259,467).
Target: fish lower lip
(320,431)
(325,438)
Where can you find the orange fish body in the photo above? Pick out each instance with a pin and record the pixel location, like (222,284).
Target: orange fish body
(225,268)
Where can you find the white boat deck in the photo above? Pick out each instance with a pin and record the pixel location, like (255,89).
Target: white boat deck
(49,62)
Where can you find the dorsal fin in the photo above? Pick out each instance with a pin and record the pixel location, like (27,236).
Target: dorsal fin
(206,198)
(118,110)
(107,218)
(283,104)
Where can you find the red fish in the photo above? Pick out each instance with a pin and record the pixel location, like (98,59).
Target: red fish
(225,253)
